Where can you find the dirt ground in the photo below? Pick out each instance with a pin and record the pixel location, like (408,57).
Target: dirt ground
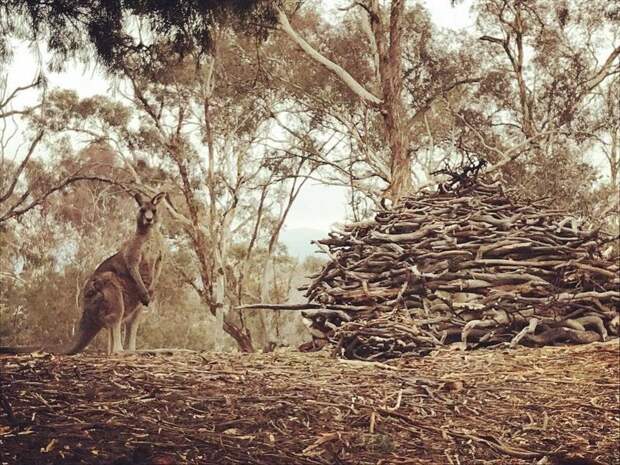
(554,405)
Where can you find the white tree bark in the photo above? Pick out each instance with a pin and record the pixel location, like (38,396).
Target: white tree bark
(344,76)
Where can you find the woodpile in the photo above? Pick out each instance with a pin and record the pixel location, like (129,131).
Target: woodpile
(467,265)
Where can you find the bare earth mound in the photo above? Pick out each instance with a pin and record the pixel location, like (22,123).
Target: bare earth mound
(551,405)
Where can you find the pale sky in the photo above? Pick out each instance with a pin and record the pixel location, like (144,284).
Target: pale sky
(317,206)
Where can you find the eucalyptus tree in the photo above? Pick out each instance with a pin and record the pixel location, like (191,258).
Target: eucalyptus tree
(550,61)
(369,88)
(197,126)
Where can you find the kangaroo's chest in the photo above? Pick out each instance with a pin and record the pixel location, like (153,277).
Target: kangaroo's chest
(144,253)
(150,256)
(151,252)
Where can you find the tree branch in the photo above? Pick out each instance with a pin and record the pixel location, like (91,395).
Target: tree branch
(602,73)
(342,74)
(515,152)
(21,167)
(17,90)
(14,211)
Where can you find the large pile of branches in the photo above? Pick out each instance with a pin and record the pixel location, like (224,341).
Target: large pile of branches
(545,406)
(466,265)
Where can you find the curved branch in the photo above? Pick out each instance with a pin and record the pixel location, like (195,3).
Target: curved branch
(21,167)
(344,76)
(604,72)
(14,211)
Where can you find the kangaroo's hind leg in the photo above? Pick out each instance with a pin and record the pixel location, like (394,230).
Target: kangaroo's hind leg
(133,322)
(113,338)
(111,309)
(116,313)
(115,331)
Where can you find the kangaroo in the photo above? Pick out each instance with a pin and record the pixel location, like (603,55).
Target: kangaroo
(114,292)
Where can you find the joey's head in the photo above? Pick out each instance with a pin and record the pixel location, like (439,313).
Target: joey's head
(147,215)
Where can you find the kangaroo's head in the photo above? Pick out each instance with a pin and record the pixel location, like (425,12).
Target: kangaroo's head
(147,215)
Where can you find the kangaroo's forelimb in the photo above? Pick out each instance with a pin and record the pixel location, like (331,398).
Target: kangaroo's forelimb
(132,256)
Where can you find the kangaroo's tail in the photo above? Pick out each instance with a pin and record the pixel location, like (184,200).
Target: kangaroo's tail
(87,330)
(97,302)
(19,350)
(81,340)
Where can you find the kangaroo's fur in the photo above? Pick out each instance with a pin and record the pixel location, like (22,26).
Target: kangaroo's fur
(113,294)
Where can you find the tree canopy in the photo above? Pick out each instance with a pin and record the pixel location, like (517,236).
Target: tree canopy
(116,27)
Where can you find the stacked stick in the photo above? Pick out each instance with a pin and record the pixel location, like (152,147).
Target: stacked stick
(468,266)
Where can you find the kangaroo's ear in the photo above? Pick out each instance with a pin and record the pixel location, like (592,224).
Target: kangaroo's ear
(139,198)
(155,200)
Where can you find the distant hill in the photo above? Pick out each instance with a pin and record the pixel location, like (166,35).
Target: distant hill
(297,241)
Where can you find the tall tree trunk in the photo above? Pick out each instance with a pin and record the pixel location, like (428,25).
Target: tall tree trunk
(400,166)
(388,42)
(614,156)
(264,279)
(388,54)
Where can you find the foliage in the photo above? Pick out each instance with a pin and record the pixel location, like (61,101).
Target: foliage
(107,25)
